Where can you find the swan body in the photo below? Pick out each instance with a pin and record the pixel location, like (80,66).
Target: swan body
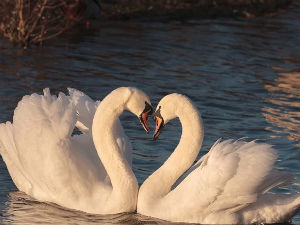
(228,185)
(90,172)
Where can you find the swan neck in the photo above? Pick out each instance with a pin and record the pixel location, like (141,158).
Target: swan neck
(104,137)
(160,182)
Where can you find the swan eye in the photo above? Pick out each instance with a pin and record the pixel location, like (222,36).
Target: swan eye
(157,113)
(148,108)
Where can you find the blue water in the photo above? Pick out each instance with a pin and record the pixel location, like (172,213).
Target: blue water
(243,76)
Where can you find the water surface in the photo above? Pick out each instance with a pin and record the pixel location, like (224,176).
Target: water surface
(243,76)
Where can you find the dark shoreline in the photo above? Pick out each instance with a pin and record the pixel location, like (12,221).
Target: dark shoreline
(189,9)
(25,24)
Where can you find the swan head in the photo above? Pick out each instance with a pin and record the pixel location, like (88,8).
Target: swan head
(166,110)
(139,104)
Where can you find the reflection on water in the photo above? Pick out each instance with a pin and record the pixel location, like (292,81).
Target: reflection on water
(21,209)
(283,112)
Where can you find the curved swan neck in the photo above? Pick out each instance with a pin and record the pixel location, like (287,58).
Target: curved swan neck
(161,181)
(103,131)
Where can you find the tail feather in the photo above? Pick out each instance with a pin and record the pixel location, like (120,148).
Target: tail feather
(276,179)
(272,208)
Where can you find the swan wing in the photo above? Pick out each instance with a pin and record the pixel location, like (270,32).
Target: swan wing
(37,148)
(228,178)
(85,108)
(10,156)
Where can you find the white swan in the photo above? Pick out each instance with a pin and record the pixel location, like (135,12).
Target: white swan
(228,185)
(50,164)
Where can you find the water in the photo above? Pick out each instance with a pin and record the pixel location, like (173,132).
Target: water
(243,76)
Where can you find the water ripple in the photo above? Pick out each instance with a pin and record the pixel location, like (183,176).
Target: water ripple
(243,76)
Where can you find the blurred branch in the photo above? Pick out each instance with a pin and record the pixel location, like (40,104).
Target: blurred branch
(33,21)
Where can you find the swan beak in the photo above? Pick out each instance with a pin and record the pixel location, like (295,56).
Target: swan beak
(144,117)
(144,121)
(159,126)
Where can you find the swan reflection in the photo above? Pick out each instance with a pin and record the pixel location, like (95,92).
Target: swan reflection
(22,209)
(283,111)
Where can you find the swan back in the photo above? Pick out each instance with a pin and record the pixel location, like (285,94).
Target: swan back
(228,185)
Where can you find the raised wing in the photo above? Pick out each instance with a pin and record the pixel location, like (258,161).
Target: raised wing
(85,108)
(38,140)
(228,178)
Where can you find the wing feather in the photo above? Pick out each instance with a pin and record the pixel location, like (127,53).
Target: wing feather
(228,178)
(85,109)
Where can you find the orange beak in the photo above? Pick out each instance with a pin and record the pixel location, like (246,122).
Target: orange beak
(158,127)
(144,120)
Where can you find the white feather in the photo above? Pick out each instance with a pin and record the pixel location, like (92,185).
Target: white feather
(228,185)
(47,162)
